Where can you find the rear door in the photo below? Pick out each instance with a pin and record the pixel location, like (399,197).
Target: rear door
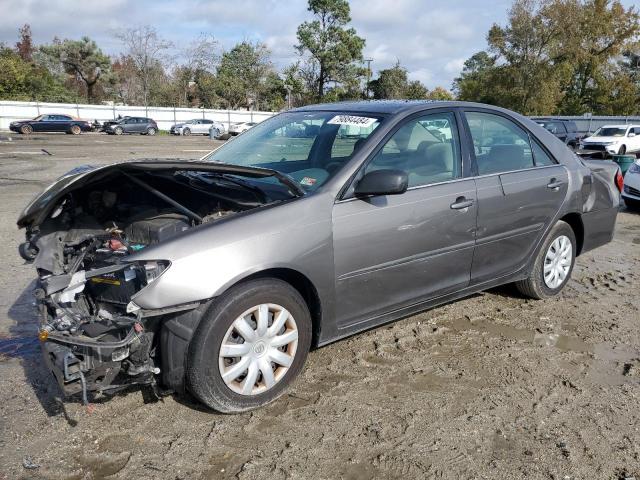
(520,191)
(395,250)
(61,123)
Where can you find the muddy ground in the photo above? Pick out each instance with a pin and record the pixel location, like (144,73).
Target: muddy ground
(494,386)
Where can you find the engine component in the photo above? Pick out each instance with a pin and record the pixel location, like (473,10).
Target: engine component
(156,229)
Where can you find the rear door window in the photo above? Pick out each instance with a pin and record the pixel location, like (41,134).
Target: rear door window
(499,144)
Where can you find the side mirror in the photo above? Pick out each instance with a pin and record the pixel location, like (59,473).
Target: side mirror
(382,182)
(631,134)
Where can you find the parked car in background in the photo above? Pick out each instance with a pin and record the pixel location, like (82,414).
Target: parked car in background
(238,128)
(197,126)
(631,189)
(613,140)
(141,125)
(565,130)
(217,276)
(51,122)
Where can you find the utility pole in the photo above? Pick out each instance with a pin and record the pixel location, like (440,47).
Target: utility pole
(368,60)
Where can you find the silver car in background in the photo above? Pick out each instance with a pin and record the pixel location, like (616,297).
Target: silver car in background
(218,276)
(198,126)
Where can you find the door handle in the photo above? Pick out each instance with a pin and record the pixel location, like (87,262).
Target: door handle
(461,203)
(555,184)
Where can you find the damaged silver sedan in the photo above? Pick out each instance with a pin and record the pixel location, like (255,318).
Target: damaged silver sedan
(218,276)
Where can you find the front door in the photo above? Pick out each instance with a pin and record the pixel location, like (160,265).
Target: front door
(395,250)
(520,191)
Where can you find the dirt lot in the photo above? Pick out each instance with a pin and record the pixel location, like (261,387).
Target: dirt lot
(494,386)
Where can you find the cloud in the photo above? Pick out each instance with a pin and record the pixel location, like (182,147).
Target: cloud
(430,38)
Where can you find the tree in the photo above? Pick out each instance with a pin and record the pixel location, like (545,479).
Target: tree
(439,93)
(27,81)
(24,47)
(242,74)
(82,60)
(330,45)
(555,57)
(148,52)
(391,83)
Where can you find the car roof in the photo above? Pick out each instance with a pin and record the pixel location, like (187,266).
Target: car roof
(619,126)
(389,106)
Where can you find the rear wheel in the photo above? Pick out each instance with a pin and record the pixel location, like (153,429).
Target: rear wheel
(553,264)
(26,129)
(151,131)
(249,347)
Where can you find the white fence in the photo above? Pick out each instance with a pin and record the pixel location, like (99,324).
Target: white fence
(164,116)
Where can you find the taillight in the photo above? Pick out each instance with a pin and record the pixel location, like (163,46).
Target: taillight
(619,180)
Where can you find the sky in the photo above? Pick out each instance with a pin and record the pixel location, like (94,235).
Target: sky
(430,38)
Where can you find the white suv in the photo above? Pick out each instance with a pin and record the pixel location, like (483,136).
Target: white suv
(613,139)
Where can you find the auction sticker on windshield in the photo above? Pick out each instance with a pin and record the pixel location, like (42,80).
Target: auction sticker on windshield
(352,120)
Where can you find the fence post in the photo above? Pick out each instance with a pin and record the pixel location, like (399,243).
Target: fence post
(228,119)
(114,111)
(252,118)
(174,115)
(38,108)
(78,110)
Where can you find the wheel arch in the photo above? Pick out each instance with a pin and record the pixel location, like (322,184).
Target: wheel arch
(303,285)
(575,222)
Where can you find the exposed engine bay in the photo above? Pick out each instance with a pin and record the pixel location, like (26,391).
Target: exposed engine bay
(80,243)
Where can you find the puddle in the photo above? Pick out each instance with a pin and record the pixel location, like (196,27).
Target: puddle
(19,347)
(563,343)
(103,465)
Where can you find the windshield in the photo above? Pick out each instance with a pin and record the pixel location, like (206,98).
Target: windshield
(310,147)
(610,132)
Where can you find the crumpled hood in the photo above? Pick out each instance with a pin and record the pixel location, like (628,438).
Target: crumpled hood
(38,209)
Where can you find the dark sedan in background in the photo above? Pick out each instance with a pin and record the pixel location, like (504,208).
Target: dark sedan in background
(141,125)
(217,276)
(51,122)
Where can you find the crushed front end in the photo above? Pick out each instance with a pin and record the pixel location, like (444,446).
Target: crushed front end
(82,234)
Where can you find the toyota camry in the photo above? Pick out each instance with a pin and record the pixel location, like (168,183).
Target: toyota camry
(218,276)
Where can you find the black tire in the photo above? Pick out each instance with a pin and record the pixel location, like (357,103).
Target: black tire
(623,150)
(632,204)
(203,374)
(26,129)
(118,131)
(186,132)
(150,131)
(534,286)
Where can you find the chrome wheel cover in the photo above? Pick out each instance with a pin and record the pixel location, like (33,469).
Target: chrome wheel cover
(557,262)
(258,349)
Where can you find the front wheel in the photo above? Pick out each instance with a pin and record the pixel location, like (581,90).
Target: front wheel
(553,264)
(118,131)
(75,130)
(186,132)
(26,129)
(249,347)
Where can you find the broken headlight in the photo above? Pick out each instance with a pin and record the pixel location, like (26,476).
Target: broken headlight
(153,269)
